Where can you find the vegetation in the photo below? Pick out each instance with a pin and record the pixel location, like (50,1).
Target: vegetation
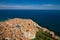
(41,35)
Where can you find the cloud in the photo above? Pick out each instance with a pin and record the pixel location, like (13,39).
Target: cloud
(16,7)
(47,5)
(42,6)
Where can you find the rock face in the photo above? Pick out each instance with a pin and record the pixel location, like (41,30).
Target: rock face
(20,29)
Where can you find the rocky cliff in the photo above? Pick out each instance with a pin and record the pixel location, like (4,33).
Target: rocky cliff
(22,29)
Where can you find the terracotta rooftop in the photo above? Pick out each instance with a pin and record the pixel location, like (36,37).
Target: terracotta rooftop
(19,29)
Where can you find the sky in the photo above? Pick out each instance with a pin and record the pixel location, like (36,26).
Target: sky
(30,4)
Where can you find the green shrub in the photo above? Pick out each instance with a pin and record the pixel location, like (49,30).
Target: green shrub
(41,35)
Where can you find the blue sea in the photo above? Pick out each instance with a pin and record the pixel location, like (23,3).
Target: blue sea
(46,18)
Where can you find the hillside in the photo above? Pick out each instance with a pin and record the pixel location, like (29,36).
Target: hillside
(24,29)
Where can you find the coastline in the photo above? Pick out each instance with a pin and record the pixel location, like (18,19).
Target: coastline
(55,36)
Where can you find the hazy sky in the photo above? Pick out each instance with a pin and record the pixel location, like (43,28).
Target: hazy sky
(29,4)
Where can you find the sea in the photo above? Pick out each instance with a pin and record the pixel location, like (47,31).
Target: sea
(46,18)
